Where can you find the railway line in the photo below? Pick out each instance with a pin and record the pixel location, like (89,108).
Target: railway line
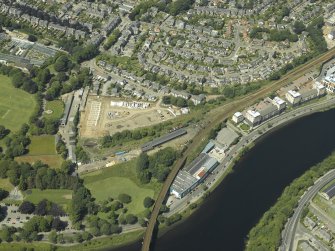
(218,115)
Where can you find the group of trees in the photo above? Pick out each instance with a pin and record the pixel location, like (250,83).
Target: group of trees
(157,165)
(82,155)
(16,143)
(266,235)
(125,136)
(176,101)
(239,90)
(98,226)
(282,35)
(3,131)
(38,175)
(112,39)
(61,148)
(44,207)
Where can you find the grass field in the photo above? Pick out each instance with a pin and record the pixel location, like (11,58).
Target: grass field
(16,105)
(114,186)
(5,184)
(57,108)
(60,196)
(110,182)
(42,148)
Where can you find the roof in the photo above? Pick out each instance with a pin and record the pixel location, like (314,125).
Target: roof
(294,93)
(253,113)
(202,161)
(238,114)
(183,181)
(278,100)
(226,136)
(161,140)
(268,109)
(309,92)
(330,191)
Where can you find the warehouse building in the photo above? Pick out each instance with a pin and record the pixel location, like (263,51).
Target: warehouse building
(161,140)
(193,174)
(329,192)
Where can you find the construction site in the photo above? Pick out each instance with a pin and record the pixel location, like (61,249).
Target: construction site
(106,116)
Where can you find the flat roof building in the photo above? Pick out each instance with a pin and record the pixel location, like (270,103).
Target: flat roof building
(293,97)
(192,175)
(237,117)
(329,192)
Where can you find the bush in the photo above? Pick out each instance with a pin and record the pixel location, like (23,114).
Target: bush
(148,202)
(124,198)
(131,219)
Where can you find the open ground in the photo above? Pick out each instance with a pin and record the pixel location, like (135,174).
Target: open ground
(54,109)
(42,148)
(100,118)
(121,178)
(60,196)
(16,105)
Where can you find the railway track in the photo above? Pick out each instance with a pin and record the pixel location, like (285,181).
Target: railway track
(218,115)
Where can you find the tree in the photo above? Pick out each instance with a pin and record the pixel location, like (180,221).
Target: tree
(3,132)
(27,207)
(131,219)
(52,236)
(148,202)
(62,63)
(3,194)
(298,27)
(124,198)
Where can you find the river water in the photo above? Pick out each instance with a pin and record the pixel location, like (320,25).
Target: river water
(224,220)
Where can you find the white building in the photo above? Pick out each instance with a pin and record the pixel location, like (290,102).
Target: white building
(331,35)
(279,103)
(330,84)
(293,97)
(253,117)
(320,88)
(238,117)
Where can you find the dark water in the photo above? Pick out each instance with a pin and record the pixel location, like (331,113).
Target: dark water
(224,220)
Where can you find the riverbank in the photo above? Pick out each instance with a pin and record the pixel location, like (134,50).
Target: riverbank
(266,235)
(245,144)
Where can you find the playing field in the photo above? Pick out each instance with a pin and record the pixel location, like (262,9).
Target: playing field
(42,148)
(56,107)
(16,105)
(5,184)
(59,196)
(113,186)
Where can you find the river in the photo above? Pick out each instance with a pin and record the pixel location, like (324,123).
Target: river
(236,205)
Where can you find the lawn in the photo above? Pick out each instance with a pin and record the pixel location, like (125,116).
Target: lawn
(5,184)
(112,181)
(57,108)
(113,186)
(16,105)
(42,148)
(60,196)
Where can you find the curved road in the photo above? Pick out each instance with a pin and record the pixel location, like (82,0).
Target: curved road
(217,116)
(289,231)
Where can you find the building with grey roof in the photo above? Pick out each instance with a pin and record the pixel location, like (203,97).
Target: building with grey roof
(193,174)
(329,192)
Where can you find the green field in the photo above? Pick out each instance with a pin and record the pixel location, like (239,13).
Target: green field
(113,186)
(60,196)
(112,181)
(16,105)
(42,148)
(5,184)
(57,108)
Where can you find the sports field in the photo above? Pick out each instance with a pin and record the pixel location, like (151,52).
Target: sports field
(42,148)
(59,196)
(16,105)
(5,184)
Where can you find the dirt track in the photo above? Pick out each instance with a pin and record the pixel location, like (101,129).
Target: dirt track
(217,116)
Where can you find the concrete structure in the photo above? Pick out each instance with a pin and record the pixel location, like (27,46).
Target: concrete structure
(192,175)
(226,137)
(321,233)
(293,97)
(237,117)
(329,82)
(321,89)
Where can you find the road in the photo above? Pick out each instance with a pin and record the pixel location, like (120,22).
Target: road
(180,204)
(290,229)
(218,116)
